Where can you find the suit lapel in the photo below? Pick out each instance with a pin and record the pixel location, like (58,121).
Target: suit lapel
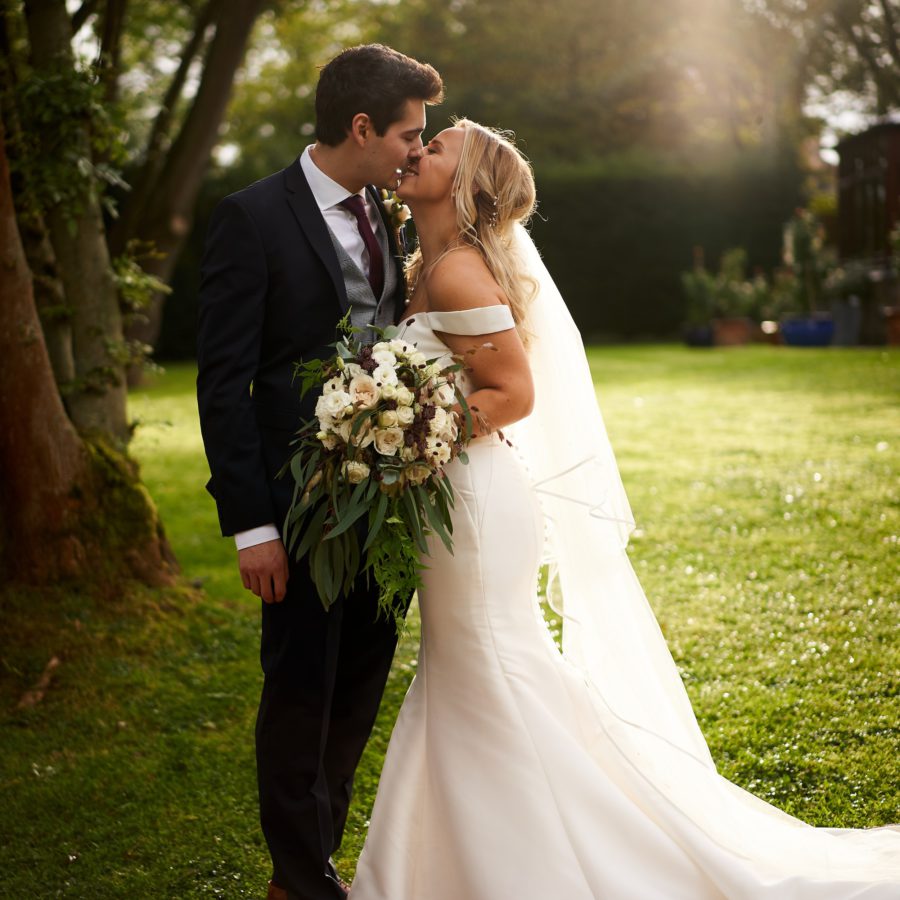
(309,217)
(396,253)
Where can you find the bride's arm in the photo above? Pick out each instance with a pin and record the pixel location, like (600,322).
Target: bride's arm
(503,391)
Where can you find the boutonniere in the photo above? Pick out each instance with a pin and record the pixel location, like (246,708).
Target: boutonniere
(397,211)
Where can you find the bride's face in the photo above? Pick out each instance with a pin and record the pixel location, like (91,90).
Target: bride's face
(430,177)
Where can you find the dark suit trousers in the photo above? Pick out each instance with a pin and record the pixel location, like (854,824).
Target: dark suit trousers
(324,676)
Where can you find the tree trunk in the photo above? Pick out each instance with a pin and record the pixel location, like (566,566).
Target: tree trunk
(67,508)
(168,214)
(97,401)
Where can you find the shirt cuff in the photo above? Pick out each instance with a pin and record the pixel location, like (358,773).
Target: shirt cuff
(245,539)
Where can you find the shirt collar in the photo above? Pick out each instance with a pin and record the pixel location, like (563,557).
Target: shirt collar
(326,191)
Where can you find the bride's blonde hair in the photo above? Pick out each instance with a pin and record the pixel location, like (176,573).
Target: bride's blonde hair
(493,190)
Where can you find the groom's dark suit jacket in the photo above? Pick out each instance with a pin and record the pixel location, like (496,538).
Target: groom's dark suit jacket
(271,295)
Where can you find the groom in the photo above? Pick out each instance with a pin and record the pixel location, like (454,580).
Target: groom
(284,260)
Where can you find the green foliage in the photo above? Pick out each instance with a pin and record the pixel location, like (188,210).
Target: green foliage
(342,475)
(59,167)
(136,287)
(728,293)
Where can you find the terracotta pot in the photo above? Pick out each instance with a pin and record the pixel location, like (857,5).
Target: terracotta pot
(892,325)
(733,331)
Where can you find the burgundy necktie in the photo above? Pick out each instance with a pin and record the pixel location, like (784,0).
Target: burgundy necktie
(357,206)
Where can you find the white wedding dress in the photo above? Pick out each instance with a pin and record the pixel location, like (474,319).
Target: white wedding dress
(515,772)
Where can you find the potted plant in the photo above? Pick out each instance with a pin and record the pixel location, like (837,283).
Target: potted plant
(699,290)
(892,310)
(805,254)
(723,308)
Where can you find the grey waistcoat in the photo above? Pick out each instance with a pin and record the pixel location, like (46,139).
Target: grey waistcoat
(365,310)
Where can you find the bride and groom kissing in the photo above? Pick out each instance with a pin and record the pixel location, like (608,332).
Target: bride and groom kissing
(513,771)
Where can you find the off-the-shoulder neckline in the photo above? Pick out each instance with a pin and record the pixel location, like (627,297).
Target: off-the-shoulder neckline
(455,312)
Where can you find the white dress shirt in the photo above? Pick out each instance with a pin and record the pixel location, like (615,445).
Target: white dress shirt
(328,195)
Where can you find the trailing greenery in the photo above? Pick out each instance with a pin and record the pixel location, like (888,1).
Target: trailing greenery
(764,483)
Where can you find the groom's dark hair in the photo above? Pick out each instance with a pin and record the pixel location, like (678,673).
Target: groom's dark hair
(371,79)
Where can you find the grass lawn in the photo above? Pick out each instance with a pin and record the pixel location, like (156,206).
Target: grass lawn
(765,485)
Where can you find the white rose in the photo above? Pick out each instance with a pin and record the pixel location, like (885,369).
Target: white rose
(388,418)
(405,396)
(333,384)
(432,370)
(405,415)
(384,358)
(363,391)
(389,392)
(325,420)
(388,440)
(335,403)
(385,375)
(437,451)
(355,471)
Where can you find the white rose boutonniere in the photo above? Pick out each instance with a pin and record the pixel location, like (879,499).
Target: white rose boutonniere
(397,211)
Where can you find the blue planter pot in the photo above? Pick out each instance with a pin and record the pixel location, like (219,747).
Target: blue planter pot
(815,332)
(698,335)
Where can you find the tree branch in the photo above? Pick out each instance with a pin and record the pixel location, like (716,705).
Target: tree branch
(110,45)
(143,182)
(886,90)
(892,38)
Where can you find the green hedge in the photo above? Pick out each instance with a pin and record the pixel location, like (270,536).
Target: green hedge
(617,245)
(616,239)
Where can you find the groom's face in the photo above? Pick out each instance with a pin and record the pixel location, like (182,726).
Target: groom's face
(400,145)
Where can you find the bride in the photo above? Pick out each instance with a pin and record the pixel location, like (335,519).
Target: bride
(515,772)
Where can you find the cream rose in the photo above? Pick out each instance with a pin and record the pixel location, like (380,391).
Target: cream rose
(418,473)
(388,440)
(408,454)
(405,415)
(329,441)
(355,471)
(364,391)
(405,396)
(364,436)
(389,418)
(343,429)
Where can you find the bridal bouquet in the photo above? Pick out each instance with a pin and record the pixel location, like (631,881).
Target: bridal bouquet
(383,432)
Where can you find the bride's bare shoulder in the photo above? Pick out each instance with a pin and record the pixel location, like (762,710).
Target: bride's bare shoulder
(462,280)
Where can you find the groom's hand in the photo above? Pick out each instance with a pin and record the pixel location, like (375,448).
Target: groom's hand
(264,570)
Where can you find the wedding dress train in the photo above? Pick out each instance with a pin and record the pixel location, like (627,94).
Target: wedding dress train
(515,772)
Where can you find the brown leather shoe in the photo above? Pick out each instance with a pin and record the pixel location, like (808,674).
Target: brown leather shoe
(276,892)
